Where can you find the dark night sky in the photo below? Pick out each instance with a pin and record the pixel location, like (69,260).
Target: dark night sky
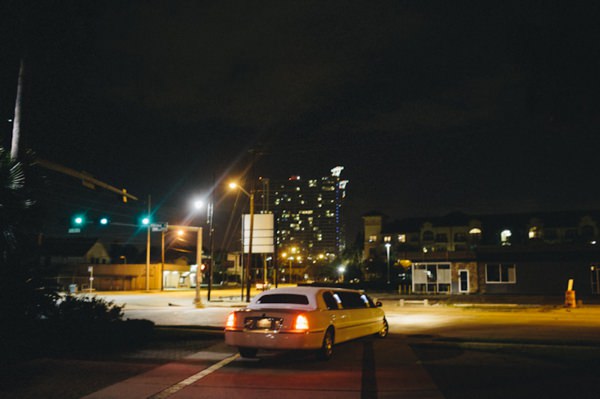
(431,106)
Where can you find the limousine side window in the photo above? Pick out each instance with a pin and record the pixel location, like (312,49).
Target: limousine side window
(369,300)
(330,301)
(352,300)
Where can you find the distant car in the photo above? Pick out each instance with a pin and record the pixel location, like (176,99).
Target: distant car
(311,318)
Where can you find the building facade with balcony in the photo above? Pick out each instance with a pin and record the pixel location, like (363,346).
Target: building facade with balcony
(529,253)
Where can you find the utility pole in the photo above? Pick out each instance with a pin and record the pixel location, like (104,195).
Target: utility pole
(148,247)
(211,240)
(250,245)
(16,132)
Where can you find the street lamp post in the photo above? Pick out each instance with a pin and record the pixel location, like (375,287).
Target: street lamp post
(198,205)
(248,263)
(197,299)
(162,260)
(148,243)
(198,230)
(387,250)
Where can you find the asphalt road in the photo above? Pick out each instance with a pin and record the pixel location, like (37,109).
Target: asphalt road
(479,351)
(366,368)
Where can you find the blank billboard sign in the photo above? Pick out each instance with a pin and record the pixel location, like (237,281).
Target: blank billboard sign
(263,233)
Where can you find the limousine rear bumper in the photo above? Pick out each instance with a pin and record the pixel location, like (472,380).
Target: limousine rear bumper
(273,340)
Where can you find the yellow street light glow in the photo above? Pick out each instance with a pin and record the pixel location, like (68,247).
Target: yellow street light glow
(180,232)
(233,185)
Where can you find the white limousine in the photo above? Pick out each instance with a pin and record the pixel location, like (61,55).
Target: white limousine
(312,318)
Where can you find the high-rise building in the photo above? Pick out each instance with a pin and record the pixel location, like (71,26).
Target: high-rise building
(308,214)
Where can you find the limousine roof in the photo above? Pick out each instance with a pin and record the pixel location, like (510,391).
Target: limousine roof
(314,301)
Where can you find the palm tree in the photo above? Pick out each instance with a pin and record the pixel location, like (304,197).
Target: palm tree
(23,296)
(16,205)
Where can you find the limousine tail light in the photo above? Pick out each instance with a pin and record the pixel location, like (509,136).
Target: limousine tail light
(301,323)
(230,324)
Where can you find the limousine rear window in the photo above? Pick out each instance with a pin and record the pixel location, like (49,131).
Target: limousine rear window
(284,298)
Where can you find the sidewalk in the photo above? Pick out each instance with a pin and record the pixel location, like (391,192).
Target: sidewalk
(177,307)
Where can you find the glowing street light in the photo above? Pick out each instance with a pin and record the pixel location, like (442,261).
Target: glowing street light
(250,195)
(342,270)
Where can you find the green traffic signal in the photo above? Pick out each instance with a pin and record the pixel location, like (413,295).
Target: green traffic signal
(78,220)
(104,221)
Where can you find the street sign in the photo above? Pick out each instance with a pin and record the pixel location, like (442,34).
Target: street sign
(159,226)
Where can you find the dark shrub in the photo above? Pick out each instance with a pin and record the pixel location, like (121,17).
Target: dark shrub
(93,325)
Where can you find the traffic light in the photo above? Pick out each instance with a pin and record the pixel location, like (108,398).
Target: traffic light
(78,220)
(145,220)
(104,221)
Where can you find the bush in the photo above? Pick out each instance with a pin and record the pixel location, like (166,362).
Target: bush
(76,310)
(75,325)
(93,325)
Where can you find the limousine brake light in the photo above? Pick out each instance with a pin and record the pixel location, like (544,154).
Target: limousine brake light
(301,323)
(230,324)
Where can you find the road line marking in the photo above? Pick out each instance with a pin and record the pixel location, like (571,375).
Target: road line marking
(192,379)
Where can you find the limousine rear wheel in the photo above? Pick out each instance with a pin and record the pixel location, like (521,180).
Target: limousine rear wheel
(247,352)
(326,350)
(384,329)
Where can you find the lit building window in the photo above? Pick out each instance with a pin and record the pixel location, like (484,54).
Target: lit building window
(372,238)
(505,237)
(401,237)
(387,239)
(534,232)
